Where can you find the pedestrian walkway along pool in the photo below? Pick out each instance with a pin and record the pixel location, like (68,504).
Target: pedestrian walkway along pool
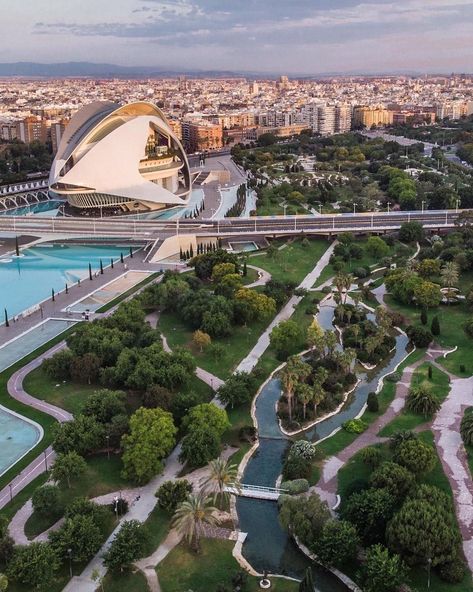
(31,277)
(268,546)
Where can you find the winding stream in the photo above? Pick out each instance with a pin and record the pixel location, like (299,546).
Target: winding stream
(267,546)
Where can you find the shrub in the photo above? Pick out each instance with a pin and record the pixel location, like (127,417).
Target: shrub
(416,455)
(469,327)
(423,317)
(373,403)
(46,500)
(371,456)
(360,272)
(354,426)
(401,436)
(421,400)
(462,368)
(466,426)
(58,367)
(393,377)
(173,493)
(338,543)
(454,571)
(296,467)
(247,434)
(396,479)
(303,449)
(435,326)
(419,336)
(295,486)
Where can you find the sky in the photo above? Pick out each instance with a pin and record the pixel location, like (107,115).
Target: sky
(274,36)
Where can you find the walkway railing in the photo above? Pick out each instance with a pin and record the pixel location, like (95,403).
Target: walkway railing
(255,491)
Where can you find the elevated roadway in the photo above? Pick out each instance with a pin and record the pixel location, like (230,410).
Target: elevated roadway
(146,230)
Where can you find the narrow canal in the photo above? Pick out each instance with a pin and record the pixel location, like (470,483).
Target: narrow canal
(267,546)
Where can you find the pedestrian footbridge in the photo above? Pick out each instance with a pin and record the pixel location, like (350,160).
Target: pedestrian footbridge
(255,491)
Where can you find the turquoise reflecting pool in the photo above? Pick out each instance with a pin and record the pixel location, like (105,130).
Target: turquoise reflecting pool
(17,437)
(45,208)
(29,278)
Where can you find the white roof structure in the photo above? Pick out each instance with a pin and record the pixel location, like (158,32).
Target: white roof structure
(121,156)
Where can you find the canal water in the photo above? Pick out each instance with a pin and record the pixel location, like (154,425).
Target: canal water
(268,547)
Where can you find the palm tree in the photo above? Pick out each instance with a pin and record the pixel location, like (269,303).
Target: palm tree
(356,331)
(294,371)
(191,516)
(317,395)
(421,400)
(304,395)
(330,341)
(222,474)
(342,282)
(450,275)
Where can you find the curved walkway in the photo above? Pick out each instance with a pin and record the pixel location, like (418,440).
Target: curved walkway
(328,482)
(44,460)
(453,456)
(263,277)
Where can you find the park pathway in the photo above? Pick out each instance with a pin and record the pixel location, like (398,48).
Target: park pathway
(263,277)
(453,456)
(248,363)
(328,483)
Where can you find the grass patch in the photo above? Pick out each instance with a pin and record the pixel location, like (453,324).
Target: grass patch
(125,582)
(407,420)
(452,320)
(293,262)
(157,527)
(183,570)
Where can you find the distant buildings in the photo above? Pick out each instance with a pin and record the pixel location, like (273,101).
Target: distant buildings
(198,135)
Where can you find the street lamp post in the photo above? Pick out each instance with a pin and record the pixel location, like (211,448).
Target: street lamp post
(423,202)
(389,203)
(285,207)
(69,552)
(116,506)
(320,209)
(457,203)
(11,491)
(429,564)
(45,460)
(354,208)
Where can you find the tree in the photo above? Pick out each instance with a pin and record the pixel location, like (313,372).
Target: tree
(34,565)
(205,425)
(303,517)
(81,535)
(220,270)
(82,435)
(307,584)
(222,474)
(376,247)
(419,336)
(411,232)
(191,516)
(68,466)
(85,369)
(382,572)
(342,281)
(201,340)
(238,389)
(370,510)
(427,294)
(435,326)
(294,371)
(58,367)
(396,479)
(6,541)
(466,427)
(338,543)
(450,274)
(104,404)
(285,336)
(3,582)
(429,267)
(151,439)
(315,336)
(127,546)
(422,401)
(417,456)
(173,493)
(253,305)
(46,500)
(424,531)
(373,402)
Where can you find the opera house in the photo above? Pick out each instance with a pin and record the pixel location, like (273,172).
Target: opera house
(119,159)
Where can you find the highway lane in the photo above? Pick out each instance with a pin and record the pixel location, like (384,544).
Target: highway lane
(150,229)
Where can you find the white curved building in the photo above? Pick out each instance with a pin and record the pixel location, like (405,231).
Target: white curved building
(122,159)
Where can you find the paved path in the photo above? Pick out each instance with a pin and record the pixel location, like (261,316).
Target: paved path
(453,456)
(263,277)
(248,363)
(328,482)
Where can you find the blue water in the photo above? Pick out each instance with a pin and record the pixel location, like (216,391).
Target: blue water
(29,279)
(17,436)
(45,208)
(267,546)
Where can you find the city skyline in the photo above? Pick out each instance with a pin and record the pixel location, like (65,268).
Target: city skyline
(253,36)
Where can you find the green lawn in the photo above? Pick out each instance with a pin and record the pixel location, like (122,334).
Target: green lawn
(439,386)
(184,570)
(102,476)
(157,527)
(452,320)
(125,582)
(66,394)
(293,262)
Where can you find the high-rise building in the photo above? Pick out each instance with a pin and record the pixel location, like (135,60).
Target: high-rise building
(253,88)
(342,118)
(8,130)
(372,116)
(31,129)
(326,120)
(201,135)
(57,131)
